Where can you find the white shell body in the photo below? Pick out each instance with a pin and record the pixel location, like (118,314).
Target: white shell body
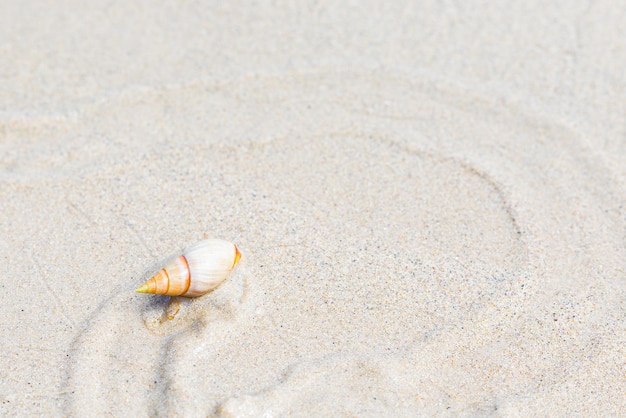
(200,269)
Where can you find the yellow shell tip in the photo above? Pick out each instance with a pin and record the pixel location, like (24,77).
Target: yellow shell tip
(144,288)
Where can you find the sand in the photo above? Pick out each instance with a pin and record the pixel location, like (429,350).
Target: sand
(429,198)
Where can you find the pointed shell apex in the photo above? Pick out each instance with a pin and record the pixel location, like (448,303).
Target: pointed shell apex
(145,288)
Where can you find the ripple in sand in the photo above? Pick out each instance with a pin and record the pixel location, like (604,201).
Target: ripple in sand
(403,257)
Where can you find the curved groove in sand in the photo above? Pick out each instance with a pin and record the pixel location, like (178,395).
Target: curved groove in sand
(161,352)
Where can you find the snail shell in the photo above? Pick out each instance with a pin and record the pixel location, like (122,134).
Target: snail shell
(200,269)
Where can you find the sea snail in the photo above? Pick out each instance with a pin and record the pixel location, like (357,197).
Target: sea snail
(200,269)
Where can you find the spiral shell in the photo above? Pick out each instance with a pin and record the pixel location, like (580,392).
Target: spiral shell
(200,269)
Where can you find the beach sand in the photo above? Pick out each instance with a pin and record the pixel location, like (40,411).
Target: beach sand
(430,200)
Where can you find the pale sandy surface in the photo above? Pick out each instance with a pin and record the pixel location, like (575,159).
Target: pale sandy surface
(429,196)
